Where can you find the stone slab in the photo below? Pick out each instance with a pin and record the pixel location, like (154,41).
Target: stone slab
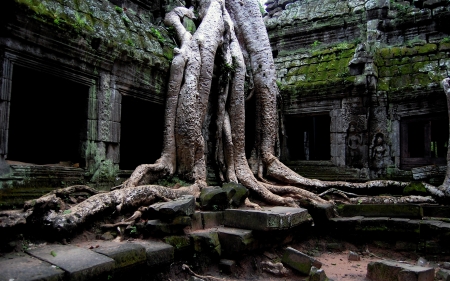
(379,210)
(299,261)
(158,253)
(79,263)
(234,240)
(26,268)
(274,218)
(124,254)
(182,206)
(388,270)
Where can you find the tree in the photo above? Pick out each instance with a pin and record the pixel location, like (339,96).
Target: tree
(231,32)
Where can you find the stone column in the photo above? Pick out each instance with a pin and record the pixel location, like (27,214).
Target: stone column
(6,68)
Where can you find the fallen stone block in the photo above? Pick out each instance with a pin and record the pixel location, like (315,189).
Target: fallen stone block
(158,253)
(234,240)
(183,206)
(236,193)
(28,268)
(79,263)
(388,270)
(213,198)
(317,274)
(352,256)
(227,266)
(443,274)
(206,242)
(274,268)
(379,210)
(299,261)
(274,218)
(124,254)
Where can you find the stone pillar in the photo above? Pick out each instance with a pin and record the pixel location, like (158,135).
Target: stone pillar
(6,68)
(102,147)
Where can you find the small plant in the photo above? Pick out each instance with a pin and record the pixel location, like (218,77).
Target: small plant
(67,212)
(155,32)
(343,46)
(130,42)
(53,253)
(261,9)
(316,44)
(445,40)
(133,230)
(118,9)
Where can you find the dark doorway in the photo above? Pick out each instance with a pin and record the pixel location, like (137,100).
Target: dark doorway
(47,118)
(308,137)
(142,127)
(424,140)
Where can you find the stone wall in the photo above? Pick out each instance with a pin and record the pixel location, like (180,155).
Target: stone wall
(115,48)
(372,66)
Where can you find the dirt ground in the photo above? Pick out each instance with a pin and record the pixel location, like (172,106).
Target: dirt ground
(250,266)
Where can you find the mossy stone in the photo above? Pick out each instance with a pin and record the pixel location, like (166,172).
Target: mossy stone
(415,188)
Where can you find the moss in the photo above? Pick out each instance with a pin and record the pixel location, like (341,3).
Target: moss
(444,46)
(383,84)
(178,242)
(415,188)
(425,49)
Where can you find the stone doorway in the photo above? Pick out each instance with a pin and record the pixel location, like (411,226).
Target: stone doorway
(308,137)
(142,126)
(48,117)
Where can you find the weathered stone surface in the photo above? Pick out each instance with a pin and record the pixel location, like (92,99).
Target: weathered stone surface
(317,274)
(299,261)
(443,274)
(158,253)
(368,210)
(387,270)
(212,219)
(236,192)
(183,206)
(266,219)
(233,240)
(157,227)
(179,242)
(352,256)
(227,266)
(124,254)
(213,198)
(28,268)
(79,263)
(196,223)
(206,242)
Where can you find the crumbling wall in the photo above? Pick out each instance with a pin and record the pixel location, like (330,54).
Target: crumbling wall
(369,65)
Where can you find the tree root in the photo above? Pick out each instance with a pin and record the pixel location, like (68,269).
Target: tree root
(206,277)
(412,199)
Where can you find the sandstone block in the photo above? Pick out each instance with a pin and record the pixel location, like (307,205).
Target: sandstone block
(273,218)
(299,261)
(387,270)
(183,206)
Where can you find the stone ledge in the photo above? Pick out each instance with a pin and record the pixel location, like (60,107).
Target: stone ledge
(28,268)
(79,263)
(274,218)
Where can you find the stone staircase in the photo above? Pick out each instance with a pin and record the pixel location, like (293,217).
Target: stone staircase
(179,233)
(325,170)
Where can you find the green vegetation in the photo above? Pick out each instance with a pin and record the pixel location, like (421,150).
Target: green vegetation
(172,181)
(118,9)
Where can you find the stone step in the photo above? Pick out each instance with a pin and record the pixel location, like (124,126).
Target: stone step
(273,218)
(93,260)
(381,210)
(235,240)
